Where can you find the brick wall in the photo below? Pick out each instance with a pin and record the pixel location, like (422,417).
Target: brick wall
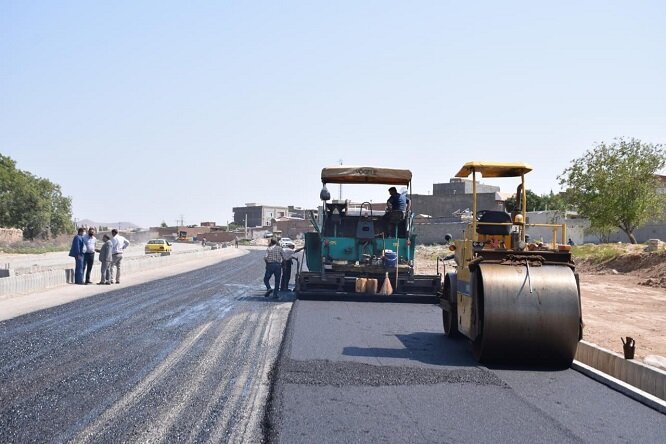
(293,228)
(10,235)
(444,206)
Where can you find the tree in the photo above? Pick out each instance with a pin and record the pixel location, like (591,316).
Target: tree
(537,202)
(33,204)
(615,185)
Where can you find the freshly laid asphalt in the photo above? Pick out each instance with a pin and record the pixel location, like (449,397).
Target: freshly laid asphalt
(180,359)
(194,358)
(364,372)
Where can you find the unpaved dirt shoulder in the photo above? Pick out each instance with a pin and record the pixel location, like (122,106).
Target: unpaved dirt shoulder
(616,306)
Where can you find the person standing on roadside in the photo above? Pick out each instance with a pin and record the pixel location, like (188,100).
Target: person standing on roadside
(118,244)
(89,256)
(273,259)
(77,251)
(288,252)
(105,258)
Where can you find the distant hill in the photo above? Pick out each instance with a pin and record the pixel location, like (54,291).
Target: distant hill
(122,226)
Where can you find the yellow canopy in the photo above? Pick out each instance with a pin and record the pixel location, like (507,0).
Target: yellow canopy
(366,174)
(495,169)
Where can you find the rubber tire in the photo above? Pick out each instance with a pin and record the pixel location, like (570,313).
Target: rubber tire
(450,318)
(450,323)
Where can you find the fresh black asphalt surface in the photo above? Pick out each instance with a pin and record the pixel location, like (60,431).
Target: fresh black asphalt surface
(181,359)
(371,372)
(190,358)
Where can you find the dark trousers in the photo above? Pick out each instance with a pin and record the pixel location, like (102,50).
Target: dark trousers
(286,275)
(392,220)
(78,270)
(273,269)
(88,260)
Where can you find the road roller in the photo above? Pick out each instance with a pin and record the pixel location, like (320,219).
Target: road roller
(516,300)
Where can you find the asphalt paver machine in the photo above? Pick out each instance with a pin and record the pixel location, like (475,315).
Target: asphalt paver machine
(514,299)
(356,248)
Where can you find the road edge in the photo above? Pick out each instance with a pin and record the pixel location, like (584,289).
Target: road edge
(639,381)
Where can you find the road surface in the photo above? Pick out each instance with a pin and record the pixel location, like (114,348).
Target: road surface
(180,359)
(364,372)
(188,358)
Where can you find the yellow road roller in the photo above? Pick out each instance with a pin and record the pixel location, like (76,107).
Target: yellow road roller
(516,300)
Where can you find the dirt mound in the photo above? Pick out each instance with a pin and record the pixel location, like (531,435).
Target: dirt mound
(650,266)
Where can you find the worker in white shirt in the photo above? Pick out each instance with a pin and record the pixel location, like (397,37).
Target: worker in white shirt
(89,256)
(118,244)
(288,253)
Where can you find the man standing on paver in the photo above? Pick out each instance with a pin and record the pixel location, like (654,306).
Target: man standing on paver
(89,256)
(77,251)
(118,244)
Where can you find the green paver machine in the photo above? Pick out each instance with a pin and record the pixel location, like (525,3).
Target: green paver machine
(356,249)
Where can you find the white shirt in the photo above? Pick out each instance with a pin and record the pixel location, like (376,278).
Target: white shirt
(288,253)
(118,243)
(89,242)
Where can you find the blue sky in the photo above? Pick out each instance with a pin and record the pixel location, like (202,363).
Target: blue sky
(145,111)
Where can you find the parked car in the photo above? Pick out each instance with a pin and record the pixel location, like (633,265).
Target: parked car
(161,246)
(286,242)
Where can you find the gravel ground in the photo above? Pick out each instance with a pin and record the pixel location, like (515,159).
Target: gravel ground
(183,358)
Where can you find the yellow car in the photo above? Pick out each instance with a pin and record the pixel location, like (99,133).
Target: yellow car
(161,246)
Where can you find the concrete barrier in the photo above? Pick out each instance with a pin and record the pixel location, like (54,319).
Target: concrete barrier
(643,377)
(43,280)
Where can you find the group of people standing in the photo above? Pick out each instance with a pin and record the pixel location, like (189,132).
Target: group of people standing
(110,255)
(278,263)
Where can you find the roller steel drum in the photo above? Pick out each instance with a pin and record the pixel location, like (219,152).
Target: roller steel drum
(541,326)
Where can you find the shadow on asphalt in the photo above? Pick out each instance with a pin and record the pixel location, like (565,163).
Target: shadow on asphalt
(426,347)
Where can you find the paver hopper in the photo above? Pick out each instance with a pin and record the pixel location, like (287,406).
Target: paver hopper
(515,300)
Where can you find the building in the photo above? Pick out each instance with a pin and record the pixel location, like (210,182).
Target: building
(661,186)
(450,199)
(258,215)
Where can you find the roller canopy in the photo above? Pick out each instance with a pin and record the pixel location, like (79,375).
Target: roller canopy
(495,169)
(366,174)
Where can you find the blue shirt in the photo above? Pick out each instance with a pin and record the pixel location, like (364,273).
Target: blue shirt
(77,246)
(398,202)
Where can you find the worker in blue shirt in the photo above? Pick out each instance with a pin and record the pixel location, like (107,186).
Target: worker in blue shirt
(77,251)
(396,206)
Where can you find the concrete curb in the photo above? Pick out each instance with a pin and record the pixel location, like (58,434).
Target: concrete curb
(635,379)
(44,280)
(622,387)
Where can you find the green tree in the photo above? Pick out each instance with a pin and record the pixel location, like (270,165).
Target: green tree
(615,185)
(34,204)
(534,202)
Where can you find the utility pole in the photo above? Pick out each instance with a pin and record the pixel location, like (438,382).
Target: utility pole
(340,194)
(246,227)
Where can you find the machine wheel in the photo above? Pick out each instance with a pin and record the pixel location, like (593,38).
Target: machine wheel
(450,323)
(450,317)
(518,325)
